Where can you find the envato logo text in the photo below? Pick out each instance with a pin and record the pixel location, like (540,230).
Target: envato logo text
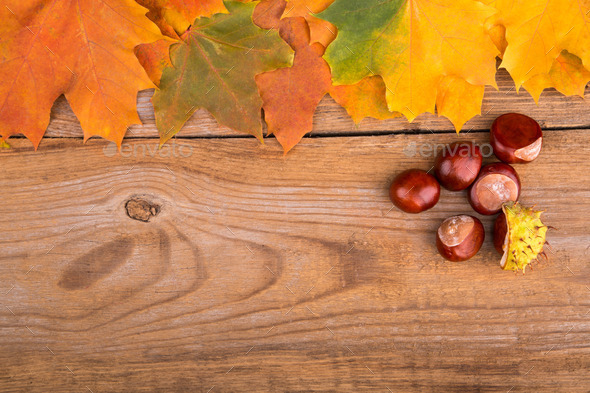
(461,149)
(134,150)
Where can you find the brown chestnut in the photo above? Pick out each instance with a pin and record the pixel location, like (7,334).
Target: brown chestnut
(500,231)
(459,237)
(457,165)
(414,191)
(496,184)
(516,138)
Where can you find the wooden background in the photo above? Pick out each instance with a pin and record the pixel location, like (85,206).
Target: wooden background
(264,272)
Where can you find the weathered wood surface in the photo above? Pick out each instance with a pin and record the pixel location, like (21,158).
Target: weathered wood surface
(554,111)
(261,272)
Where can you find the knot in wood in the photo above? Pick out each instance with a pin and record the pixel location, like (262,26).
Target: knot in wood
(141,210)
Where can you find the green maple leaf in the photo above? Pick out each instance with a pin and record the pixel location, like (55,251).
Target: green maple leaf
(214,68)
(414,45)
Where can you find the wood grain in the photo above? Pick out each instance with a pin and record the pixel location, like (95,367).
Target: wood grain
(553,112)
(259,272)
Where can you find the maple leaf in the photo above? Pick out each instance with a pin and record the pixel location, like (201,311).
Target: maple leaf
(267,14)
(412,44)
(154,57)
(82,49)
(567,75)
(157,13)
(320,30)
(178,15)
(497,33)
(458,100)
(364,99)
(215,68)
(181,13)
(291,95)
(537,31)
(192,9)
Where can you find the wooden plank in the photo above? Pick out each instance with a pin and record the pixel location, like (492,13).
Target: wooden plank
(554,111)
(271,273)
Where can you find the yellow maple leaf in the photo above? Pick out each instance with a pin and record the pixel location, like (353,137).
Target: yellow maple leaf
(364,99)
(414,45)
(537,31)
(458,100)
(567,75)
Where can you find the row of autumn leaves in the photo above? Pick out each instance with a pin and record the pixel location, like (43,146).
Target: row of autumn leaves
(376,58)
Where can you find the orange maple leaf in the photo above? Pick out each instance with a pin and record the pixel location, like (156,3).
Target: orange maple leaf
(182,13)
(157,14)
(154,57)
(267,14)
(192,9)
(82,49)
(320,30)
(291,95)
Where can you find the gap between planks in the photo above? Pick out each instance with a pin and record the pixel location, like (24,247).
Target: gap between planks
(554,112)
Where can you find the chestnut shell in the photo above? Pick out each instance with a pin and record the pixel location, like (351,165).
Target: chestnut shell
(467,248)
(490,169)
(458,165)
(511,132)
(414,191)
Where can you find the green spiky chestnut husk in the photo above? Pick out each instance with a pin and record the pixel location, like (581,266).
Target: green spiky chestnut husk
(519,235)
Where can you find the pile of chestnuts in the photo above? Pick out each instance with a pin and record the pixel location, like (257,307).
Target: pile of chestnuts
(515,138)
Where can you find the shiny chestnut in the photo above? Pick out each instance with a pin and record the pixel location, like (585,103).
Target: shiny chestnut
(516,138)
(496,184)
(500,231)
(459,238)
(457,165)
(414,191)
